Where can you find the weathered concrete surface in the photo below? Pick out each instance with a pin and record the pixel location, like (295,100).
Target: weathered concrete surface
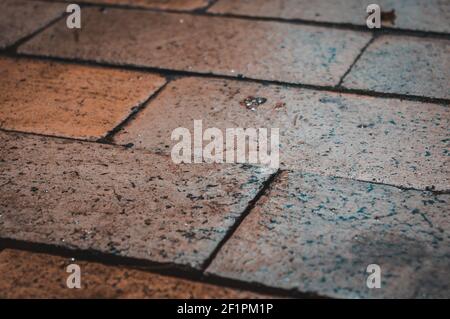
(421,15)
(404,65)
(384,140)
(36,275)
(151,4)
(69,100)
(19,18)
(136,204)
(318,235)
(262,50)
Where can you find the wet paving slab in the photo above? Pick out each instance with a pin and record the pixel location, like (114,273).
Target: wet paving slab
(149,4)
(404,143)
(204,44)
(318,235)
(95,197)
(418,15)
(403,65)
(69,100)
(19,18)
(48,279)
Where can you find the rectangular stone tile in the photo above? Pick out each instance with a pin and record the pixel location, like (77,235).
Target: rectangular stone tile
(151,4)
(37,275)
(69,100)
(82,195)
(384,140)
(318,235)
(404,65)
(223,46)
(421,15)
(19,18)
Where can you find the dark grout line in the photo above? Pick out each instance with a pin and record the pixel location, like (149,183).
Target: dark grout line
(70,139)
(340,26)
(210,4)
(170,73)
(13,48)
(429,189)
(126,6)
(108,139)
(339,85)
(265,187)
(165,269)
(204,12)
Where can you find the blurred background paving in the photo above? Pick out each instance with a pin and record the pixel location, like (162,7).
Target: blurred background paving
(86,117)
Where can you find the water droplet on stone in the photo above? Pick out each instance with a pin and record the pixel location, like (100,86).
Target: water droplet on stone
(251,102)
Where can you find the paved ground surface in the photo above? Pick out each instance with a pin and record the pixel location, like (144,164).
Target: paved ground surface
(86,175)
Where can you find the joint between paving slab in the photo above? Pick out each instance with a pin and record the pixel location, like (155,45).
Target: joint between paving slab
(340,26)
(12,49)
(164,269)
(374,36)
(332,25)
(171,74)
(108,138)
(429,189)
(209,5)
(265,187)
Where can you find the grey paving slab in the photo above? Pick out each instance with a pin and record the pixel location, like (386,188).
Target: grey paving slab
(419,15)
(223,46)
(403,143)
(403,65)
(318,235)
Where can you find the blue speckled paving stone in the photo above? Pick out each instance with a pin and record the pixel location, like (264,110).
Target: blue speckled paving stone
(404,65)
(318,234)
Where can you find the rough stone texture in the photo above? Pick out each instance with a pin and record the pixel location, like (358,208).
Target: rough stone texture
(405,65)
(90,196)
(69,100)
(224,46)
(152,4)
(19,18)
(35,275)
(385,140)
(422,15)
(318,234)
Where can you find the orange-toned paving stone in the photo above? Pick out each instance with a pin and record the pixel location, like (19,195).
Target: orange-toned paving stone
(38,275)
(69,100)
